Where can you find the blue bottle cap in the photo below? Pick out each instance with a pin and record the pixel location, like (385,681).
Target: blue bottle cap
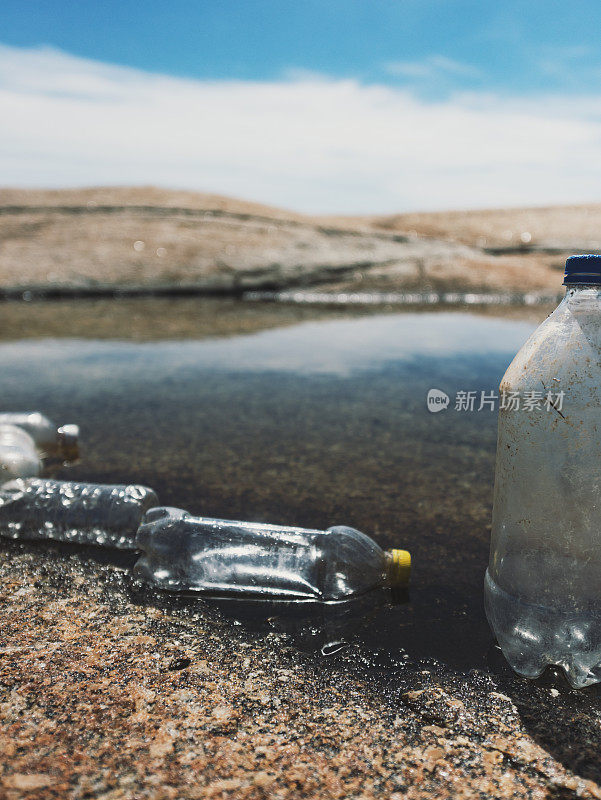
(583,269)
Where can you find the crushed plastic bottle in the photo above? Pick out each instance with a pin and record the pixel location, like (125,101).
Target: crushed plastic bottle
(543,583)
(183,553)
(82,513)
(19,457)
(51,441)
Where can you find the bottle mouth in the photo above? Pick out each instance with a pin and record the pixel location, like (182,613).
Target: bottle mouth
(68,439)
(584,269)
(398,568)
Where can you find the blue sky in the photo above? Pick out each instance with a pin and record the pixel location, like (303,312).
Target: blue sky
(514,46)
(319,105)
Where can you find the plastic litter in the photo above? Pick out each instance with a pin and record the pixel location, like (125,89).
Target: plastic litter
(30,442)
(542,586)
(51,441)
(180,552)
(66,511)
(183,553)
(19,457)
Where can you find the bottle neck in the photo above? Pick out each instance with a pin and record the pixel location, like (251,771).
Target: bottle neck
(398,568)
(583,289)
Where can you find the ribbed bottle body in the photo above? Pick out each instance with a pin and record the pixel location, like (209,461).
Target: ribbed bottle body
(68,511)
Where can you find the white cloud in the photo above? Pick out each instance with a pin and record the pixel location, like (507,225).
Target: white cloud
(432,68)
(310,143)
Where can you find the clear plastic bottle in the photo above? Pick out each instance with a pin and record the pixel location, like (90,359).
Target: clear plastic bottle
(183,553)
(82,513)
(19,457)
(51,441)
(543,583)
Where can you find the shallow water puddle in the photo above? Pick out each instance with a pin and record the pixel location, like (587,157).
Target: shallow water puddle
(319,423)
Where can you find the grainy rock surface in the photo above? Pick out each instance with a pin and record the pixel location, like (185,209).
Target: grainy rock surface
(107,695)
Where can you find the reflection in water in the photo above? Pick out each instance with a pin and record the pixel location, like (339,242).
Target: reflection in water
(338,347)
(406,298)
(148,318)
(194,318)
(312,425)
(326,628)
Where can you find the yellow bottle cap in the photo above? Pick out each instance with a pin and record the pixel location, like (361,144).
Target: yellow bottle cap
(399,567)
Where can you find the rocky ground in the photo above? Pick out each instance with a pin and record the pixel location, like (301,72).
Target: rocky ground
(108,694)
(148,237)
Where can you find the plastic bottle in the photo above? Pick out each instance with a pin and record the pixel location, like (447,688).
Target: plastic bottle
(19,457)
(84,513)
(50,440)
(543,583)
(183,553)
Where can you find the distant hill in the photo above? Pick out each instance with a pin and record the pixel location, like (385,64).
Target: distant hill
(144,236)
(564,227)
